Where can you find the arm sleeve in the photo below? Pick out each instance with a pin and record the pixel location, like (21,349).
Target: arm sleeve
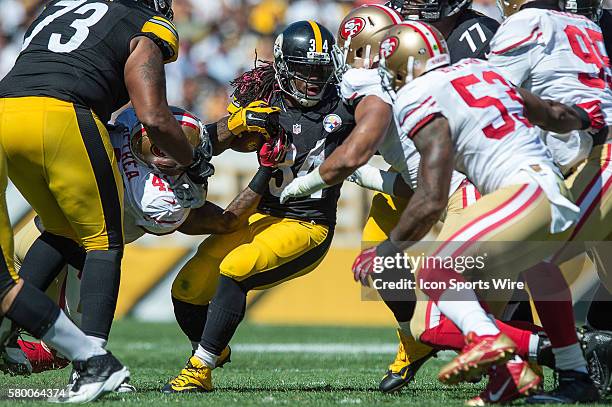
(164,34)
(518,46)
(415,112)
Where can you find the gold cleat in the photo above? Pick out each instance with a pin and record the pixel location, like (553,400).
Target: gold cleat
(479,353)
(195,377)
(411,355)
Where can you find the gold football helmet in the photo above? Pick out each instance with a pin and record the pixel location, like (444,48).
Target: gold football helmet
(149,154)
(360,34)
(509,7)
(409,50)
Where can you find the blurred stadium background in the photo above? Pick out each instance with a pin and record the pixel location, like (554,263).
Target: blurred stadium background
(219,40)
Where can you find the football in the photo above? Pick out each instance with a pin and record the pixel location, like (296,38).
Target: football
(247,142)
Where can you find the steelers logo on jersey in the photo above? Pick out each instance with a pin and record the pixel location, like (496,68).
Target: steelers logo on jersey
(332,122)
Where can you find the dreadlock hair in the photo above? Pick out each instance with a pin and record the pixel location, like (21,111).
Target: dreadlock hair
(257,84)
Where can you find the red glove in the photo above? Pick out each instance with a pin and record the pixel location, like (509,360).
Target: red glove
(364,265)
(273,151)
(594,113)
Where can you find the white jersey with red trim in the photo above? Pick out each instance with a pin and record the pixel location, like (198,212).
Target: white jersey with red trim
(559,56)
(400,153)
(493,140)
(149,203)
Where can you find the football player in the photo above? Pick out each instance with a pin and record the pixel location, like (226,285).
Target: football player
(539,47)
(80,61)
(523,199)
(282,241)
(467,34)
(152,205)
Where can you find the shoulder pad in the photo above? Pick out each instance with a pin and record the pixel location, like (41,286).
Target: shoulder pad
(163,32)
(471,37)
(521,30)
(358,83)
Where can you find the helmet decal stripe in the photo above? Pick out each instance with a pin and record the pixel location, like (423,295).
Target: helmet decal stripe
(432,44)
(394,15)
(435,37)
(418,31)
(317,34)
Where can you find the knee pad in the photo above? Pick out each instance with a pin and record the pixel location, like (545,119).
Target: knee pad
(33,310)
(197,281)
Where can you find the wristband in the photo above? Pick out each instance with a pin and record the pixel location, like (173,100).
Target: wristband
(259,183)
(585,120)
(387,249)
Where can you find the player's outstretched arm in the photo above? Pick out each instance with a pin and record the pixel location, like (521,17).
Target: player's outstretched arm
(434,143)
(145,80)
(373,117)
(211,219)
(559,118)
(390,183)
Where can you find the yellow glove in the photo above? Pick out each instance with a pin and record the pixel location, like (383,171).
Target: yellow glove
(257,117)
(233,107)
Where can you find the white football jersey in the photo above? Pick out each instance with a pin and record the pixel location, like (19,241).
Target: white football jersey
(559,56)
(398,152)
(149,202)
(492,139)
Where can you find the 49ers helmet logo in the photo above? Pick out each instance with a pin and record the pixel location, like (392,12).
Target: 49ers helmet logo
(352,27)
(388,46)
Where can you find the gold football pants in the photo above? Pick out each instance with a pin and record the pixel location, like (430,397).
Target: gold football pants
(267,252)
(60,157)
(8,276)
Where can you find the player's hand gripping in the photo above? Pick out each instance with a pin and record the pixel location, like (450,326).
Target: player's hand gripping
(273,151)
(257,117)
(363,266)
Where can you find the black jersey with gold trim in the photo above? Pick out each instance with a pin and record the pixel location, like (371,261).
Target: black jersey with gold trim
(471,36)
(314,134)
(76,51)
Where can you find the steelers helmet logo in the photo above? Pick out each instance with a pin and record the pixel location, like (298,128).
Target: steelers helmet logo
(388,47)
(332,122)
(352,27)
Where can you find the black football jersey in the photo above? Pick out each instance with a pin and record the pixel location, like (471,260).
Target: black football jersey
(76,51)
(314,133)
(605,22)
(471,36)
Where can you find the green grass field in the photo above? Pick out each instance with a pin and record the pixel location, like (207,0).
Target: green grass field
(259,376)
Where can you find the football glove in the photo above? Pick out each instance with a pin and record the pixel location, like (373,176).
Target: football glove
(591,115)
(273,151)
(188,193)
(257,117)
(201,168)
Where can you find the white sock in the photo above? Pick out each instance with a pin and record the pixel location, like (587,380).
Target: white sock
(70,341)
(534,341)
(405,328)
(98,341)
(570,358)
(463,309)
(209,359)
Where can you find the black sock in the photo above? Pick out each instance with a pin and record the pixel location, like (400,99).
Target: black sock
(191,318)
(46,258)
(225,313)
(600,311)
(33,310)
(99,290)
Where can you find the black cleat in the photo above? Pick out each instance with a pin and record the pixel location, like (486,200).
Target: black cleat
(597,348)
(93,378)
(574,387)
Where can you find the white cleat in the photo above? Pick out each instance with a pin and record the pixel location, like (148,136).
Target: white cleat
(97,376)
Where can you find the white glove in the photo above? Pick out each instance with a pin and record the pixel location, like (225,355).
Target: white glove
(303,186)
(372,178)
(189,194)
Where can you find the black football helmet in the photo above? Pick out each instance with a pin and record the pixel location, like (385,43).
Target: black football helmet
(591,9)
(163,7)
(432,10)
(303,61)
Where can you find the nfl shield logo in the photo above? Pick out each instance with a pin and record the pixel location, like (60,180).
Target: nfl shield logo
(297,128)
